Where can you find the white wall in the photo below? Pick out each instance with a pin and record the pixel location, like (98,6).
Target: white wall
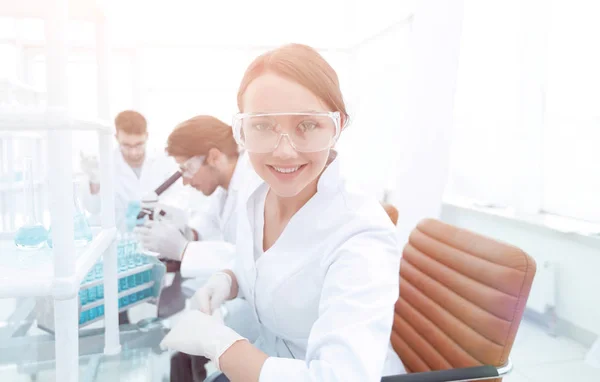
(577,260)
(376,99)
(232,23)
(370,17)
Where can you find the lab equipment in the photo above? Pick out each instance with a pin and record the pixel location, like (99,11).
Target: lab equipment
(31,235)
(128,186)
(150,200)
(139,280)
(82,233)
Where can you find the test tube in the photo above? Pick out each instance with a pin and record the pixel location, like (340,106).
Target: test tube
(83,317)
(83,296)
(92,294)
(146,276)
(99,270)
(123,284)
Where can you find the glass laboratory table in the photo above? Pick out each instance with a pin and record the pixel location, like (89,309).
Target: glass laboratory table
(27,352)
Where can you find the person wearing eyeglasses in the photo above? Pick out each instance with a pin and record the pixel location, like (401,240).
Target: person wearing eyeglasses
(316,260)
(209,160)
(136,171)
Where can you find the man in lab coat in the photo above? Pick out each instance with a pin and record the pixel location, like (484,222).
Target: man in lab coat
(137,173)
(208,157)
(210,162)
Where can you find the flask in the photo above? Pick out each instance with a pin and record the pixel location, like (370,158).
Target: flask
(82,233)
(32,234)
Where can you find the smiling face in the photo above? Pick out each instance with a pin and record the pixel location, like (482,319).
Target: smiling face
(287,171)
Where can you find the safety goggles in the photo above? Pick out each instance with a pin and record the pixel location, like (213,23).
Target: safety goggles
(191,166)
(305,132)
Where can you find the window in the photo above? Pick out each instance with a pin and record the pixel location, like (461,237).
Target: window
(572,120)
(483,164)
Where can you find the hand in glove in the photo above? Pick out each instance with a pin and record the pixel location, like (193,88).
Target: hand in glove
(162,237)
(90,167)
(199,334)
(213,294)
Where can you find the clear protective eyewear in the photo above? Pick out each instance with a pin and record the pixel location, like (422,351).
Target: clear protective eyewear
(306,132)
(191,166)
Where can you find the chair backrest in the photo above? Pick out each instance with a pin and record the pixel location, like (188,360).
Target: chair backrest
(462,297)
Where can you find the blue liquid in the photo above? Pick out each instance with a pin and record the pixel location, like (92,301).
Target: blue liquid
(123,284)
(100,291)
(92,313)
(99,271)
(83,317)
(31,237)
(83,296)
(146,276)
(101,310)
(138,279)
(92,294)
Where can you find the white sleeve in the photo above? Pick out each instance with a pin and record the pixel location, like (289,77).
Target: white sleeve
(349,341)
(204,258)
(206,222)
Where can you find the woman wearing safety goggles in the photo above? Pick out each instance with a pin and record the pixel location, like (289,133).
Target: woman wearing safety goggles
(317,261)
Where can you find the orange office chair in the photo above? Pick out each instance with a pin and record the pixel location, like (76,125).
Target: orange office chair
(462,297)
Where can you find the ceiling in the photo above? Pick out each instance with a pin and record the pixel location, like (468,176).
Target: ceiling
(320,23)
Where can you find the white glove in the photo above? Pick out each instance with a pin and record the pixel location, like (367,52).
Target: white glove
(196,333)
(90,167)
(162,237)
(213,294)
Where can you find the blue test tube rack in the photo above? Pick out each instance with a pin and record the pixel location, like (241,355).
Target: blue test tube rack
(139,278)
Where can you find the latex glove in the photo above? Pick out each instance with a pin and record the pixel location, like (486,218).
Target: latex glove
(90,167)
(196,333)
(162,237)
(213,294)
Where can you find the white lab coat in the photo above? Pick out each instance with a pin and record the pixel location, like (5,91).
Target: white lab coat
(324,293)
(215,251)
(128,187)
(216,227)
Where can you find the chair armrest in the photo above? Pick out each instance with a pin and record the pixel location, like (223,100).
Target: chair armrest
(453,375)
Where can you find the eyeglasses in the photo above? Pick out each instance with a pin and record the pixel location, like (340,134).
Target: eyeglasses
(191,166)
(306,132)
